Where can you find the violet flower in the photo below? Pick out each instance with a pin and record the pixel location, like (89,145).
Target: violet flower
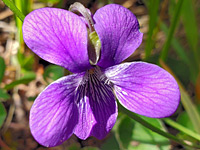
(84,103)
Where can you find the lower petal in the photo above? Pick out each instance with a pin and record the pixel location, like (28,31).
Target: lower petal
(145,89)
(54,113)
(97,108)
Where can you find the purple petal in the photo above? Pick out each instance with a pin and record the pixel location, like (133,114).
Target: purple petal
(54,113)
(57,36)
(97,108)
(118,30)
(145,89)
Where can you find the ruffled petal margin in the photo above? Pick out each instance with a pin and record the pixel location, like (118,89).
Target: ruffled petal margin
(97,108)
(54,113)
(118,30)
(59,37)
(145,89)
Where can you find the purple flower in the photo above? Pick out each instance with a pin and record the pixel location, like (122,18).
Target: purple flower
(84,103)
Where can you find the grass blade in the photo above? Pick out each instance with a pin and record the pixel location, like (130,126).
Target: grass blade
(177,47)
(181,53)
(153,17)
(190,23)
(182,128)
(172,28)
(14,9)
(153,128)
(3,67)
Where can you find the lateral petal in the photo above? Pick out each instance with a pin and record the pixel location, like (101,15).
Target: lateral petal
(54,113)
(97,108)
(145,89)
(57,36)
(118,30)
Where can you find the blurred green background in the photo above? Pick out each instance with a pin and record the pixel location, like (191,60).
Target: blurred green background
(171,40)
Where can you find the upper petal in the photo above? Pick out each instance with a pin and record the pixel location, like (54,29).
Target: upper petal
(57,36)
(97,107)
(54,113)
(118,30)
(145,89)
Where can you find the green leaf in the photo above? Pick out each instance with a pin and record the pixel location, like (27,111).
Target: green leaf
(28,77)
(3,95)
(125,131)
(134,136)
(74,146)
(147,147)
(26,62)
(153,128)
(53,72)
(110,144)
(32,98)
(190,108)
(2,70)
(2,114)
(185,131)
(90,148)
(184,120)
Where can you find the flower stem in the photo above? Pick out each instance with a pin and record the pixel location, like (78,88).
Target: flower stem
(182,128)
(14,9)
(155,129)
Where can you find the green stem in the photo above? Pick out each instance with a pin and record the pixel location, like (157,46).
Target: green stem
(14,9)
(153,128)
(182,128)
(19,23)
(171,30)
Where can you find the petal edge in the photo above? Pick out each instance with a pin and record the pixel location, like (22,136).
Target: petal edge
(118,30)
(145,89)
(57,36)
(54,113)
